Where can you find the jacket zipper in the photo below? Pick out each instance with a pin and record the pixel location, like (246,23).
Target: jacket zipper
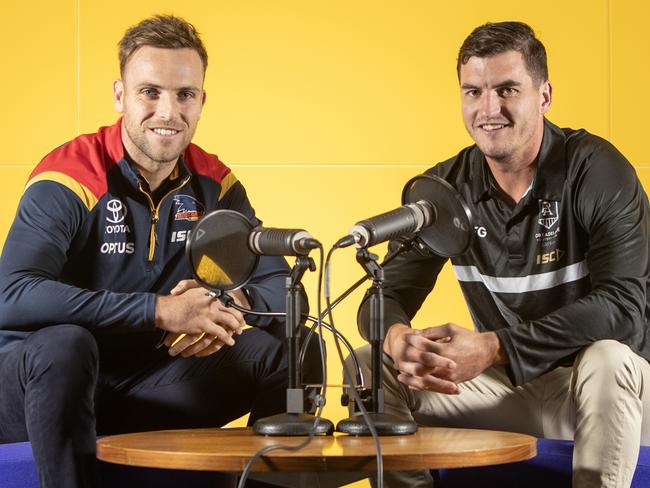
(154,216)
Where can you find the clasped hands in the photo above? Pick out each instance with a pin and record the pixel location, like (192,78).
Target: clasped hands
(196,323)
(440,358)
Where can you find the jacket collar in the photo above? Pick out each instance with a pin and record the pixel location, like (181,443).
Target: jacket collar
(116,152)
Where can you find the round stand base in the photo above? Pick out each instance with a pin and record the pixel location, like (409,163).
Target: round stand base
(384,425)
(292,424)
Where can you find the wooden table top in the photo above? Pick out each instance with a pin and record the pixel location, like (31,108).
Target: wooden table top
(230,450)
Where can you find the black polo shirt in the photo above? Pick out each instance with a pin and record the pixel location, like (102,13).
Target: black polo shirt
(567,266)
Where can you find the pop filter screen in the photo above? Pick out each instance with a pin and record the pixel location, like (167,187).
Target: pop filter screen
(218,253)
(451,233)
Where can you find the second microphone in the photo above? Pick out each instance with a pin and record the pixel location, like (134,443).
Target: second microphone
(281,242)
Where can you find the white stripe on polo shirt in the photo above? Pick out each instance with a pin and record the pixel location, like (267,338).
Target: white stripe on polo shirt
(522,284)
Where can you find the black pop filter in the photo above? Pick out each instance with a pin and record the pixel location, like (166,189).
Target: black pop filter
(452,231)
(218,252)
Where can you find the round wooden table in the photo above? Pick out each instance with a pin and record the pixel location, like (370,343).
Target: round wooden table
(230,449)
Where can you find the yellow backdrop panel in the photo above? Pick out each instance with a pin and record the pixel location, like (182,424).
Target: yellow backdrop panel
(629,66)
(39,78)
(340,81)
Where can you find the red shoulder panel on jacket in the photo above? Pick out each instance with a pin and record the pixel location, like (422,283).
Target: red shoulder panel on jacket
(200,162)
(87,158)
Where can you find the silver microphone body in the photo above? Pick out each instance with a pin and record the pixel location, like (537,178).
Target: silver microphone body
(406,219)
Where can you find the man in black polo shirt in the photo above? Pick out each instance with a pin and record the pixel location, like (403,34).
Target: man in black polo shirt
(556,279)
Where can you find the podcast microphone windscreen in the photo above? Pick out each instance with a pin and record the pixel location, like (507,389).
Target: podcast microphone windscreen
(452,232)
(218,253)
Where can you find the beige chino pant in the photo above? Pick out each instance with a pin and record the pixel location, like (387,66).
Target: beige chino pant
(599,403)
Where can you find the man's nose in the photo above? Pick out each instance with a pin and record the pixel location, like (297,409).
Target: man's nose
(167,107)
(490,104)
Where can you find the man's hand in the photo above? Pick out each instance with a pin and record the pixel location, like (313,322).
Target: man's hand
(188,345)
(198,344)
(197,323)
(410,352)
(237,295)
(471,352)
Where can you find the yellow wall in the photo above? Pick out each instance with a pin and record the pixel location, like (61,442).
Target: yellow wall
(323,108)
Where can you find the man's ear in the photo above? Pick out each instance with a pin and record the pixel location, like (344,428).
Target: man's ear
(118,95)
(547,96)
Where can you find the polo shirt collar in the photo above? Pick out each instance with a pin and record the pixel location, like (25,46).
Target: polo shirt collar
(551,164)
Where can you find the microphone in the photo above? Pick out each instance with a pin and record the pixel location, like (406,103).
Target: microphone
(281,242)
(406,219)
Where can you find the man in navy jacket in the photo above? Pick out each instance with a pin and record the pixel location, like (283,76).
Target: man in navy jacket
(93,275)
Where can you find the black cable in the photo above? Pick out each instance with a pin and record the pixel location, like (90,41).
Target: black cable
(359,374)
(404,245)
(303,349)
(320,399)
(318,322)
(353,391)
(340,298)
(319,306)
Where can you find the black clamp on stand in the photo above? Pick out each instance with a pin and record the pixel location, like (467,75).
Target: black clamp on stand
(385,424)
(295,421)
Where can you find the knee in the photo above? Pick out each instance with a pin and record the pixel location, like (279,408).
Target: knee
(357,366)
(312,365)
(67,351)
(609,366)
(363,356)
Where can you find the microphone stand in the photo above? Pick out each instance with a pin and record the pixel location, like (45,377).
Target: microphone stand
(405,245)
(295,421)
(385,424)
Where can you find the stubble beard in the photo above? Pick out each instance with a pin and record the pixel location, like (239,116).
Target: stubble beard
(499,154)
(493,150)
(157,158)
(508,150)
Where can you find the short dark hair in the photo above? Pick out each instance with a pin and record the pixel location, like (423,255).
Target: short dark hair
(496,38)
(163,31)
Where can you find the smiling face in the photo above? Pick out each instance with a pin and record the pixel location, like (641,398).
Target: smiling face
(503,108)
(161,97)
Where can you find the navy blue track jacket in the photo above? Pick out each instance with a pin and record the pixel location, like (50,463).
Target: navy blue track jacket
(89,247)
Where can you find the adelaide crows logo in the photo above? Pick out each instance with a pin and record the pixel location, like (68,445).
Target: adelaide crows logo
(187,208)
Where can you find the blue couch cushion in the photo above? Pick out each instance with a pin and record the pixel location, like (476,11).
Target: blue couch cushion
(17,468)
(551,467)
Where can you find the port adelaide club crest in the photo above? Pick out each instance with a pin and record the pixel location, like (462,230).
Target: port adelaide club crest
(548,214)
(548,217)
